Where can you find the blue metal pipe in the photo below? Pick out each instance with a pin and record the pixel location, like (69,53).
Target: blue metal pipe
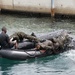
(52,4)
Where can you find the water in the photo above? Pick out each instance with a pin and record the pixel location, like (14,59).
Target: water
(61,64)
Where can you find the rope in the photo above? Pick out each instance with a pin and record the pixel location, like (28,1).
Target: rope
(30,54)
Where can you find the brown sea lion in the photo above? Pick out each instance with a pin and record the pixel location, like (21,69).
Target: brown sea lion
(57,44)
(19,36)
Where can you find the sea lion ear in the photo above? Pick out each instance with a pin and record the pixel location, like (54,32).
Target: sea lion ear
(33,34)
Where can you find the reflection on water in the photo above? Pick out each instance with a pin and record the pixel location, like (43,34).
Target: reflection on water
(62,64)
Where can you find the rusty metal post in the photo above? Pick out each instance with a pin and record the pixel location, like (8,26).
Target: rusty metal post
(52,9)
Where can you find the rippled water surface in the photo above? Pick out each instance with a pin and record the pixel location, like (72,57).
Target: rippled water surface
(61,64)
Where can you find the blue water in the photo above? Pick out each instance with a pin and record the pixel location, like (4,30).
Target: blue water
(61,64)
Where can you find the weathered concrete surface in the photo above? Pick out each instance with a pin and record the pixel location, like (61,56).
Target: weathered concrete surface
(0,5)
(27,5)
(65,7)
(41,6)
(6,4)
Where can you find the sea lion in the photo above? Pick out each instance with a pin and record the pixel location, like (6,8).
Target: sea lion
(19,36)
(56,44)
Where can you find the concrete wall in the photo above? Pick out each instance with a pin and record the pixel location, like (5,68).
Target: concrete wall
(65,6)
(0,4)
(42,6)
(6,4)
(33,5)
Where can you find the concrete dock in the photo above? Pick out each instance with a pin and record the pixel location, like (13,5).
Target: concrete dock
(66,7)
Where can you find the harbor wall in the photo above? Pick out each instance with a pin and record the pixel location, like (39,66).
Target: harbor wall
(40,6)
(65,7)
